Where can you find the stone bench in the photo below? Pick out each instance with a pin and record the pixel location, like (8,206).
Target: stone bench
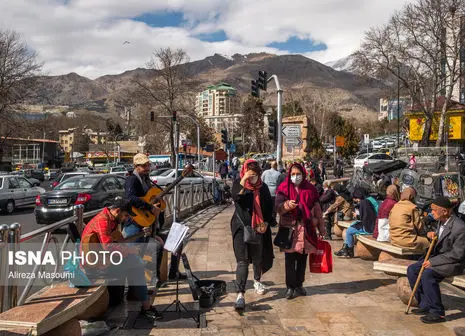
(369,248)
(398,267)
(56,310)
(340,227)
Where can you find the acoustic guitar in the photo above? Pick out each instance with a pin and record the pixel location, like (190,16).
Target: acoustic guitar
(154,195)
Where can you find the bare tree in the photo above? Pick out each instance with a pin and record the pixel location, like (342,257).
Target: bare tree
(167,90)
(17,64)
(420,46)
(252,125)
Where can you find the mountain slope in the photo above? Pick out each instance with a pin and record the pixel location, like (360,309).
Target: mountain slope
(293,71)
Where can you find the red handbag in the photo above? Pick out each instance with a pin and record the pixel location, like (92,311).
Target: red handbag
(322,260)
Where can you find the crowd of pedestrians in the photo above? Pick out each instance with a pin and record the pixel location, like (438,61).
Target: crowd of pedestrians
(298,198)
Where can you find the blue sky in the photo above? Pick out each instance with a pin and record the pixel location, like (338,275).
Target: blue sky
(87,36)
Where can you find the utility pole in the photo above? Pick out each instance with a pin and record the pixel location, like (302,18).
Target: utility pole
(176,160)
(279,138)
(398,105)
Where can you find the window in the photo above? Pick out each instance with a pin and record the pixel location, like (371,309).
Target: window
(76,183)
(23,183)
(110,184)
(121,182)
(13,183)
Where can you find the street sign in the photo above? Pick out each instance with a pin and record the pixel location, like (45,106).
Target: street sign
(340,141)
(292,131)
(366,139)
(295,142)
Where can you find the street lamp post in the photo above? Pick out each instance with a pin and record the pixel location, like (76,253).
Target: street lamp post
(398,105)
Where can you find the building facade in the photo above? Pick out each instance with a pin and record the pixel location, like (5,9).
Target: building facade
(67,138)
(219,105)
(388,107)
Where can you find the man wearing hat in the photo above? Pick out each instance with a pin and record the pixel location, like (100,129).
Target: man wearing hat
(131,266)
(447,259)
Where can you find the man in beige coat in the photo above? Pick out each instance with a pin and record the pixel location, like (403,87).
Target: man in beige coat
(405,227)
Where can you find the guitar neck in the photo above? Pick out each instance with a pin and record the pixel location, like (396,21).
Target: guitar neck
(170,187)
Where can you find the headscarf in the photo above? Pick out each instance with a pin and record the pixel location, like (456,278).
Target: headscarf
(257,215)
(408,194)
(308,196)
(392,192)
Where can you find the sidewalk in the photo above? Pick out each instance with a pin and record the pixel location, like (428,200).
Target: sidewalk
(353,300)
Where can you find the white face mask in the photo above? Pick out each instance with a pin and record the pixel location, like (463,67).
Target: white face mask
(296,179)
(254,180)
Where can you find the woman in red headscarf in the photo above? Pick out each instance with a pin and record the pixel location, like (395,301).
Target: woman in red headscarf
(299,209)
(254,207)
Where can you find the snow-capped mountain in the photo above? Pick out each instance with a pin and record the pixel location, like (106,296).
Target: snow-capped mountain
(342,64)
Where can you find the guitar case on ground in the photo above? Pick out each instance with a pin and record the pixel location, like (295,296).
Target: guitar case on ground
(204,291)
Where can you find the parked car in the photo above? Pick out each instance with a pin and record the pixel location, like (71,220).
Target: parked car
(167,177)
(37,174)
(64,176)
(158,172)
(51,174)
(16,191)
(119,170)
(365,159)
(93,191)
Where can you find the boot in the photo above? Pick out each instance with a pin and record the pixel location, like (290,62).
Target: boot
(329,227)
(350,252)
(344,251)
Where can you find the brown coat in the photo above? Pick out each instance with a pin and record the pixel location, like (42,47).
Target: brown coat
(340,204)
(405,226)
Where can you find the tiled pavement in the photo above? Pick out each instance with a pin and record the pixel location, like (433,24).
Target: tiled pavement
(353,300)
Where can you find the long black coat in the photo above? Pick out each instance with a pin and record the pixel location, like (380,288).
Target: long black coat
(448,257)
(244,207)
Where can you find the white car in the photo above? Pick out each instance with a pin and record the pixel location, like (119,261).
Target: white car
(167,177)
(119,170)
(17,191)
(366,159)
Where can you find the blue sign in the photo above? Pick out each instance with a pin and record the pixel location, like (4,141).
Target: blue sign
(232,148)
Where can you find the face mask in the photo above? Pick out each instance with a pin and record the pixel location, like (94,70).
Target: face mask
(296,179)
(254,180)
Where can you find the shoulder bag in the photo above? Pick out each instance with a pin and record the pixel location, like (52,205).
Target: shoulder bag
(250,236)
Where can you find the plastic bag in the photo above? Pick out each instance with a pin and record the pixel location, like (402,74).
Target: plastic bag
(322,260)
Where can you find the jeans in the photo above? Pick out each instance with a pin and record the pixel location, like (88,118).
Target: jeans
(351,232)
(295,264)
(131,268)
(244,253)
(428,293)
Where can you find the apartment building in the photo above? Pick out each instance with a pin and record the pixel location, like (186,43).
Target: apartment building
(219,105)
(67,138)
(388,107)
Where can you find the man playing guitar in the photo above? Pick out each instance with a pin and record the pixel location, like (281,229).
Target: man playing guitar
(136,187)
(131,268)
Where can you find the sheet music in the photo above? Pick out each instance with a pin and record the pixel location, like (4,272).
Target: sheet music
(175,237)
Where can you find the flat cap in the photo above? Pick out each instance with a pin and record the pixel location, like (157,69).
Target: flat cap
(443,202)
(140,159)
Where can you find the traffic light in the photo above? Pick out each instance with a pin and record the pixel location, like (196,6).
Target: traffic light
(254,89)
(262,80)
(174,115)
(152,116)
(224,136)
(272,129)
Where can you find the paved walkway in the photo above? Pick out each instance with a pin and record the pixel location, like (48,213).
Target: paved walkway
(353,300)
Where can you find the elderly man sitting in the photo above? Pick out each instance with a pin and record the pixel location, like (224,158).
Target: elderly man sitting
(447,259)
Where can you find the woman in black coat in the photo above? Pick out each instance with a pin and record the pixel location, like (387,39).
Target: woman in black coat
(254,207)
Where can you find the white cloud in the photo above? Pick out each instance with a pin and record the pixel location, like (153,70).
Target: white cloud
(86,36)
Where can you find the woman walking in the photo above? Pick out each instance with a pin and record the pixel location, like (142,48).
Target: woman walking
(253,211)
(297,204)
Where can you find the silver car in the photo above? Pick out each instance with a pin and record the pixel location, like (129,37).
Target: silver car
(17,191)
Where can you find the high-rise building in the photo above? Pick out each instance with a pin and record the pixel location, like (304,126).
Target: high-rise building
(219,105)
(458,92)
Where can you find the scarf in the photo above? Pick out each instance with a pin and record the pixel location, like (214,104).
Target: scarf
(307,198)
(257,215)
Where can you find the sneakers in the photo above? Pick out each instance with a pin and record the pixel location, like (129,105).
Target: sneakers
(240,302)
(260,288)
(152,314)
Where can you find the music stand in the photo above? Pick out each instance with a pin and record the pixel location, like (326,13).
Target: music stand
(178,305)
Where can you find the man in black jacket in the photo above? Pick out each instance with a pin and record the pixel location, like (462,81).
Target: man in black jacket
(447,259)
